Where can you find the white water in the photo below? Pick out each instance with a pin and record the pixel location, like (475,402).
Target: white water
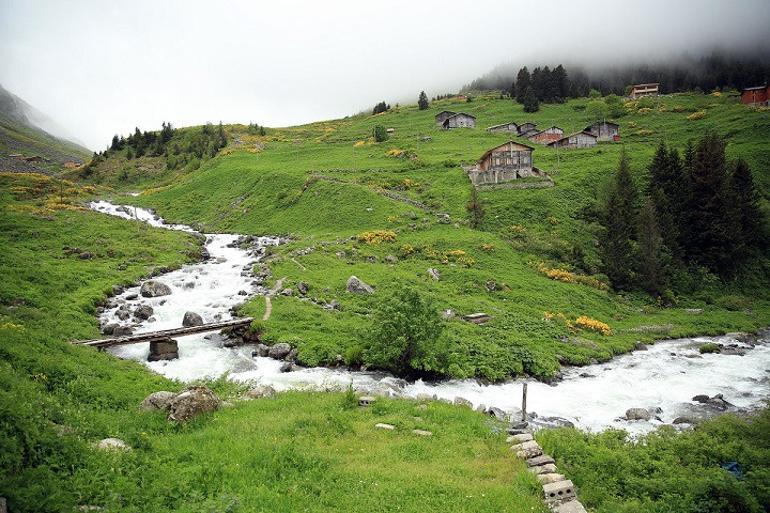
(666,376)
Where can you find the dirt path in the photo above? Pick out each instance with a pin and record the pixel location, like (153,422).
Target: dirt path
(268,302)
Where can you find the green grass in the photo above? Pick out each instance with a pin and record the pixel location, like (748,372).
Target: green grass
(300,451)
(667,471)
(318,185)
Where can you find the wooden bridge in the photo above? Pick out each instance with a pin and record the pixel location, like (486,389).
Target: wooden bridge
(163,335)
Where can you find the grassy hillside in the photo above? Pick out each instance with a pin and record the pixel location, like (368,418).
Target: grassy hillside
(298,451)
(19,136)
(326,182)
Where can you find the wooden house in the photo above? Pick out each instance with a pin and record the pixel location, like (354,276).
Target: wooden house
(546,136)
(459,120)
(527,128)
(504,163)
(604,131)
(758,95)
(578,140)
(443,115)
(639,90)
(505,127)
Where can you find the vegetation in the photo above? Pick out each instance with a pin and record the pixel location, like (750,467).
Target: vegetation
(380,108)
(298,451)
(327,182)
(422,101)
(668,471)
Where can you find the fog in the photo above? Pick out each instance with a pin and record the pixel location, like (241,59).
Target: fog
(100,68)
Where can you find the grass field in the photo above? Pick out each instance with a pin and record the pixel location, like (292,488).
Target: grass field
(300,451)
(326,182)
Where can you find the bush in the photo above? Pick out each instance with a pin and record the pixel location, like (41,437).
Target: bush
(709,347)
(380,133)
(405,335)
(697,115)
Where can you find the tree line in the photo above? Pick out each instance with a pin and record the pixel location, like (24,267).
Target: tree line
(718,70)
(698,210)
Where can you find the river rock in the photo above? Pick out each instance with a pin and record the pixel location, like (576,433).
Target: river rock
(356,286)
(496,412)
(279,351)
(122,314)
(260,392)
(154,288)
(193,401)
(461,401)
(390,259)
(637,414)
(701,398)
(143,312)
(109,329)
(113,444)
(157,401)
(122,331)
(718,402)
(286,367)
(192,319)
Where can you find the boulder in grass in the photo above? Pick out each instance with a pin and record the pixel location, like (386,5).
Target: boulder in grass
(260,392)
(192,319)
(192,402)
(154,288)
(356,286)
(157,401)
(113,444)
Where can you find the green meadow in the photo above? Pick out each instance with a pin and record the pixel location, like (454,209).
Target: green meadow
(326,183)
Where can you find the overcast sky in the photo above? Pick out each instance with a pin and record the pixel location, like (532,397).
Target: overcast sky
(104,67)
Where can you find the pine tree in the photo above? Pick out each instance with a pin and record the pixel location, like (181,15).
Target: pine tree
(652,269)
(422,102)
(666,189)
(523,81)
(711,223)
(530,101)
(561,82)
(262,130)
(616,244)
(475,209)
(115,143)
(746,201)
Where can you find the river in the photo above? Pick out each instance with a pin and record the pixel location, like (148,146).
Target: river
(662,378)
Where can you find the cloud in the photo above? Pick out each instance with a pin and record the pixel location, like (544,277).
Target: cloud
(101,68)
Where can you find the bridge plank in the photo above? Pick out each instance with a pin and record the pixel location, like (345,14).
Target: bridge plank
(151,336)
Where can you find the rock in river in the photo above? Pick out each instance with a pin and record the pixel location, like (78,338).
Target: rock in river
(279,351)
(143,312)
(192,319)
(154,288)
(637,414)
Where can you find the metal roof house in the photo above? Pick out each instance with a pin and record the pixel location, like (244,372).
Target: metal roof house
(549,135)
(504,163)
(604,131)
(578,140)
(505,127)
(459,120)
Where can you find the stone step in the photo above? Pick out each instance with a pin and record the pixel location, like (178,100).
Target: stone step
(573,506)
(540,460)
(548,468)
(559,491)
(523,437)
(550,477)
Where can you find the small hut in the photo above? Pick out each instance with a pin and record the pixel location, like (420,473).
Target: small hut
(758,95)
(459,120)
(505,127)
(578,140)
(527,128)
(604,131)
(504,163)
(547,136)
(443,115)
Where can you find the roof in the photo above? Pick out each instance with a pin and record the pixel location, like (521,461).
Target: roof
(601,123)
(573,135)
(489,151)
(529,123)
(462,114)
(503,124)
(543,130)
(755,88)
(445,112)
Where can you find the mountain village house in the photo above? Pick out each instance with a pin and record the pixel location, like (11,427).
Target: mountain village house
(639,90)
(457,120)
(578,140)
(604,131)
(505,127)
(443,115)
(527,129)
(504,163)
(758,95)
(547,136)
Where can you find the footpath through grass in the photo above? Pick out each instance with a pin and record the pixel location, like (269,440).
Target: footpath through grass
(300,451)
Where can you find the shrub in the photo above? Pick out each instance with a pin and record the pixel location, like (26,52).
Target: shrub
(587,323)
(376,237)
(404,336)
(380,134)
(697,115)
(709,347)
